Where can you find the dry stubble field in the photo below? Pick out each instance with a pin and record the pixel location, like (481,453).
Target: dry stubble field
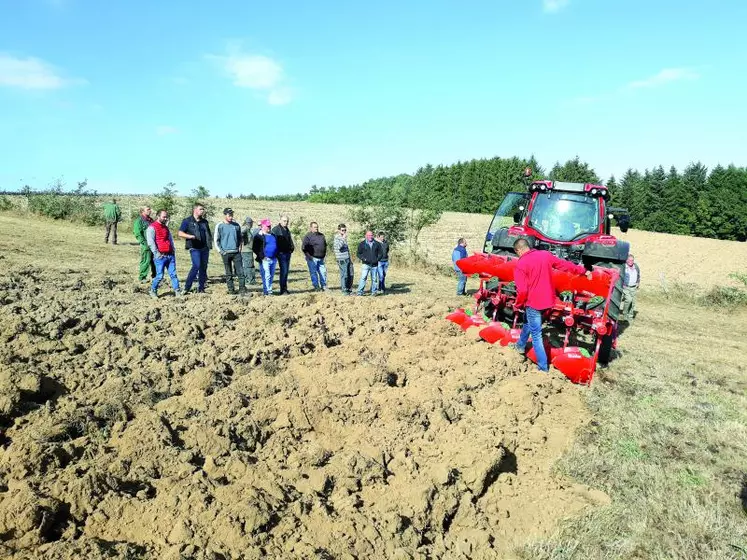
(319,426)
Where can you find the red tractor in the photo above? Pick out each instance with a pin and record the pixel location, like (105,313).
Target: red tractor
(573,221)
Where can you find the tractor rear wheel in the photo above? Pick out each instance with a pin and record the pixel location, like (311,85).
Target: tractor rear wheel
(617,293)
(605,349)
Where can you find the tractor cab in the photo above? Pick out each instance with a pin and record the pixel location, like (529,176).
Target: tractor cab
(565,218)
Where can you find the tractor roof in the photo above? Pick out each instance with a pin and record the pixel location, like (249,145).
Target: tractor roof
(567,187)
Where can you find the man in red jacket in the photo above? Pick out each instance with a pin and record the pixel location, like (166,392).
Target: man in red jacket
(535,293)
(161,244)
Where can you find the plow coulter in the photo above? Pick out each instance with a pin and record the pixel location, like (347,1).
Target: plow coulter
(582,333)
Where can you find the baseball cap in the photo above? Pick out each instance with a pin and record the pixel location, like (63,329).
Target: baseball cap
(265,222)
(227,211)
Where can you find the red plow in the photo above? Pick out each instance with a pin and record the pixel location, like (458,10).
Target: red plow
(580,314)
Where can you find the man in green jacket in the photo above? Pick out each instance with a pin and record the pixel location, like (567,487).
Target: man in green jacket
(112,216)
(146,256)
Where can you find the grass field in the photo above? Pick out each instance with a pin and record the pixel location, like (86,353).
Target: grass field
(662,432)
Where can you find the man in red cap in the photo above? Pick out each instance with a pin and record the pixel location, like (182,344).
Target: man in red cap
(535,293)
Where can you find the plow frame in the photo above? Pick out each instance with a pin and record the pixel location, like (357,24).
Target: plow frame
(574,313)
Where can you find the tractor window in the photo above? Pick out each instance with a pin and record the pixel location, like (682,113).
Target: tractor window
(504,217)
(565,216)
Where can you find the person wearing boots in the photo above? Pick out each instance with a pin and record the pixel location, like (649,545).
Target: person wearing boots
(139,227)
(112,216)
(229,244)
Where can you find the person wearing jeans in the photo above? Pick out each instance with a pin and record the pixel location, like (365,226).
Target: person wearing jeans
(265,248)
(384,261)
(195,230)
(284,239)
(344,262)
(369,252)
(314,247)
(533,326)
(161,245)
(460,252)
(535,293)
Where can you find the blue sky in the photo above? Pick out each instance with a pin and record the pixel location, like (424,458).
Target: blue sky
(272,97)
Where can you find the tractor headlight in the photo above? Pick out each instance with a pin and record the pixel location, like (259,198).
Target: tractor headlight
(594,192)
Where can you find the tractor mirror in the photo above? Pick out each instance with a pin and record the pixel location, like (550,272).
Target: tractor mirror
(623,222)
(517,217)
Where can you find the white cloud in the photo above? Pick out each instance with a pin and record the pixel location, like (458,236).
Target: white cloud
(30,73)
(256,72)
(165,129)
(554,6)
(664,77)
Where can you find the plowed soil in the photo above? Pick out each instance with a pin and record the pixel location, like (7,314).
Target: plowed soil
(303,426)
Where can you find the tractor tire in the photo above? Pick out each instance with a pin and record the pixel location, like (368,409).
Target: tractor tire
(605,349)
(617,293)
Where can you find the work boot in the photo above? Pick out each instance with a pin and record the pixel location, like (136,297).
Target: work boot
(153,294)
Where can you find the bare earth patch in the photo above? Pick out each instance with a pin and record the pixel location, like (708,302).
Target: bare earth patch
(308,426)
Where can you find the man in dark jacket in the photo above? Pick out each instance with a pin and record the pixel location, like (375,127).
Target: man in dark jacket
(314,247)
(266,247)
(229,244)
(383,261)
(139,227)
(285,249)
(196,231)
(369,252)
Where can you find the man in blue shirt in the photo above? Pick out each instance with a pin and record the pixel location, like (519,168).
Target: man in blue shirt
(460,252)
(196,231)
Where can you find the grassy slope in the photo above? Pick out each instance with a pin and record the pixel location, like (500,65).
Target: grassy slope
(668,443)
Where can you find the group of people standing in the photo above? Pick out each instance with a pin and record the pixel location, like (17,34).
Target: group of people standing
(244,248)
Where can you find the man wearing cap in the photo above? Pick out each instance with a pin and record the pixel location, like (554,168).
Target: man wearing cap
(247,243)
(344,261)
(195,230)
(285,249)
(265,247)
(229,244)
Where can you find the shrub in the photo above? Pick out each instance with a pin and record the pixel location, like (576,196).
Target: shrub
(5,203)
(80,205)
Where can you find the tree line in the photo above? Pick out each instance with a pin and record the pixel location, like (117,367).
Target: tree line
(694,201)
